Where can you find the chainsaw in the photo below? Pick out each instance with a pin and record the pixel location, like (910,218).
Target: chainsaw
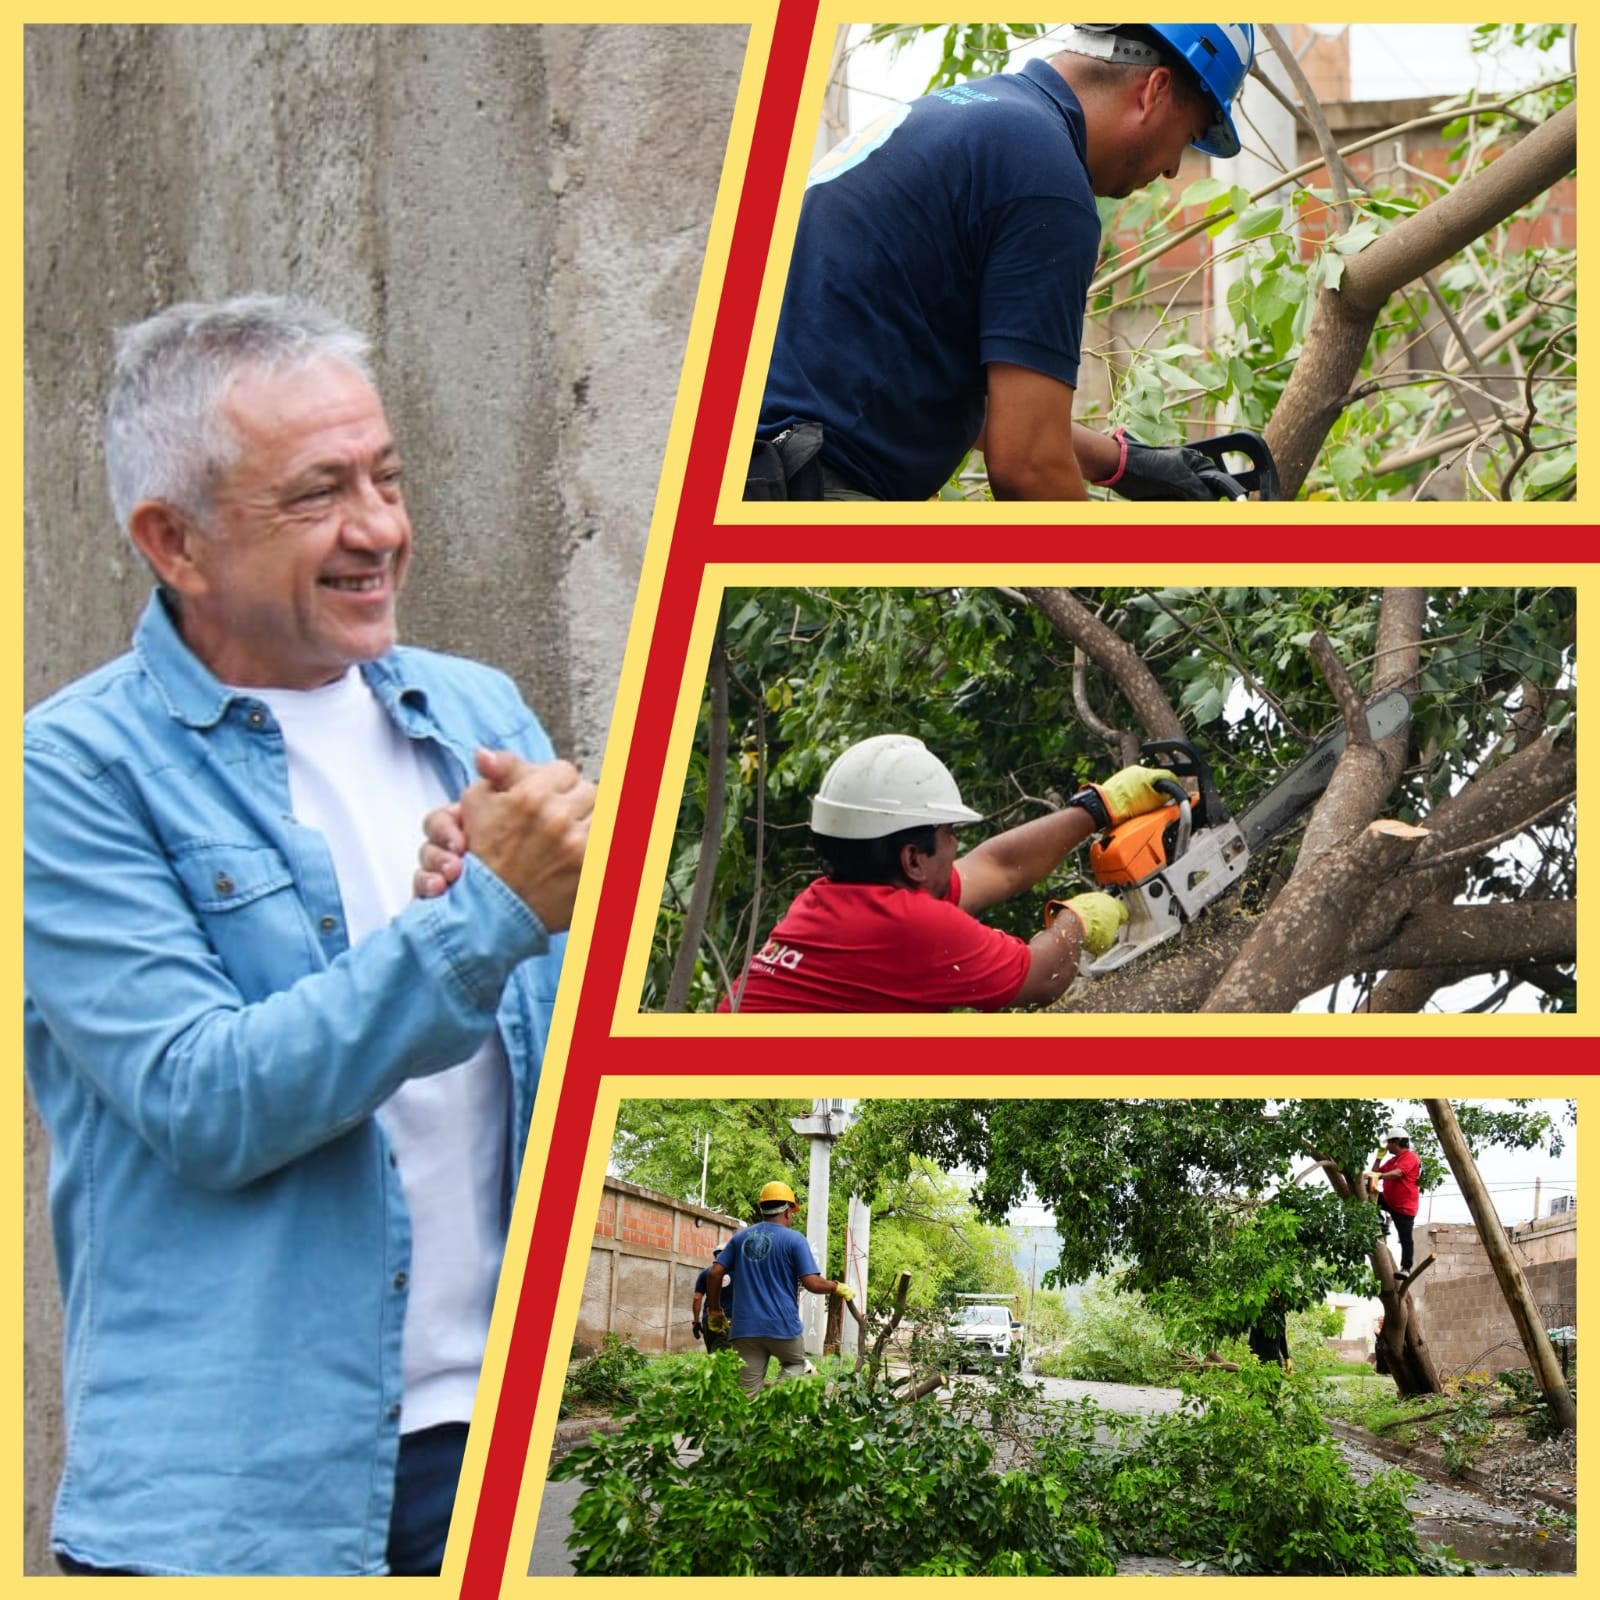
(1168,865)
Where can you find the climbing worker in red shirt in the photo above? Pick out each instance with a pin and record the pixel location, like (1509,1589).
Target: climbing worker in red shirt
(893,925)
(1400,1195)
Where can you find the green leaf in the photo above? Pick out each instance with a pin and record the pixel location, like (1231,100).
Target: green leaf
(1356,239)
(1201,191)
(1259,220)
(1348,463)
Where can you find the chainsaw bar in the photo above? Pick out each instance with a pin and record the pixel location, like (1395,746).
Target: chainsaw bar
(1299,788)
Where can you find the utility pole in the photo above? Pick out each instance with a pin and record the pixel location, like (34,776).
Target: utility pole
(828,1120)
(1525,1313)
(857,1242)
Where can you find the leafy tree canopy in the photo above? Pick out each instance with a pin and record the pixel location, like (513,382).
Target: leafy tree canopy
(1194,1195)
(658,1144)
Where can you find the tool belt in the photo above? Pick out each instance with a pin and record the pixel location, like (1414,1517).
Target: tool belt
(787,467)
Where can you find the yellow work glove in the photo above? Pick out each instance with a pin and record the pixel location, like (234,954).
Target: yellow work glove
(717,1322)
(844,1291)
(1132,792)
(1101,916)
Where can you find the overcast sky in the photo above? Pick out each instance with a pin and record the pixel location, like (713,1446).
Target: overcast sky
(1387,61)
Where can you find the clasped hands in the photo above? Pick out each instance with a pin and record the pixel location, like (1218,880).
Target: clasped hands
(528,822)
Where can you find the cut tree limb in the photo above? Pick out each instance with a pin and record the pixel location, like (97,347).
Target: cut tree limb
(1300,944)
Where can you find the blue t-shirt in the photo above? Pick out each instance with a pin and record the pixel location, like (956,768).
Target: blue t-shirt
(769,1262)
(955,231)
(725,1295)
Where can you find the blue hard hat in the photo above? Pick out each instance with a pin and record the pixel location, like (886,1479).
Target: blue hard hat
(1219,54)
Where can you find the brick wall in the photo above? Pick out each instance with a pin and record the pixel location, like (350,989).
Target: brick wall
(646,1253)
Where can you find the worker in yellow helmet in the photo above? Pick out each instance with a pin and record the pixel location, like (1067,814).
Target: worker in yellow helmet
(773,1264)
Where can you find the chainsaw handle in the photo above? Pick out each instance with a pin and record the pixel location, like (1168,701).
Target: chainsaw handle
(1186,762)
(1262,478)
(1167,786)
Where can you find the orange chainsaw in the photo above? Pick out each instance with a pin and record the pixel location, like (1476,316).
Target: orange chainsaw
(1168,865)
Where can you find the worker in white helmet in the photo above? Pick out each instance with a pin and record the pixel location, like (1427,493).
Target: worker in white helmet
(893,925)
(942,265)
(774,1264)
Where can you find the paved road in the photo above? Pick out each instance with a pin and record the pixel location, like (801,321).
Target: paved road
(1478,1529)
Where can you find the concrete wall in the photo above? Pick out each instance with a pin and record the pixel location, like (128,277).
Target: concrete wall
(1468,1324)
(516,215)
(648,1249)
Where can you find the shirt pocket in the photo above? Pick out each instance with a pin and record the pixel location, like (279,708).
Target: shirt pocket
(245,900)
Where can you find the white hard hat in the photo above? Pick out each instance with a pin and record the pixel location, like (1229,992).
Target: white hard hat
(1397,1133)
(884,784)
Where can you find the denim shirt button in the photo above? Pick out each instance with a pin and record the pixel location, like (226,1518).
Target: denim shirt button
(224,884)
(400,1280)
(328,924)
(394,1413)
(257,717)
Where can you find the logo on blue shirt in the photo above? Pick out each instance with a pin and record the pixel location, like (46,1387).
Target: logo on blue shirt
(851,152)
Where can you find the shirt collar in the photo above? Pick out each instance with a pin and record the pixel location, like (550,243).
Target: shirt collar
(197,697)
(1044,76)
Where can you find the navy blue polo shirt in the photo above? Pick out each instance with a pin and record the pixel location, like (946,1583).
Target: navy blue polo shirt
(955,231)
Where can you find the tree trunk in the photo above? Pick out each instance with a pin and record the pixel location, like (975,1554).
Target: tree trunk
(1525,1313)
(1410,1361)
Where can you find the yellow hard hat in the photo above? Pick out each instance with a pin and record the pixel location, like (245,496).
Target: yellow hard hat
(777,1191)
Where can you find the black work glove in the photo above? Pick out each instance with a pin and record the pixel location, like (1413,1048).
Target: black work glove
(694,1328)
(1173,473)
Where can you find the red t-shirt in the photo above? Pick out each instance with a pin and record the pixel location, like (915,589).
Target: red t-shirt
(879,947)
(1402,1193)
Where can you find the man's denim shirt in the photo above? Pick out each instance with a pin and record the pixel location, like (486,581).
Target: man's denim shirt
(207,1052)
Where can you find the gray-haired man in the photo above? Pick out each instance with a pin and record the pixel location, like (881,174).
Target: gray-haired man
(286,1103)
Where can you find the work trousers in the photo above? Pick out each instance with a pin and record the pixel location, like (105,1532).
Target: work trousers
(1403,1226)
(791,1354)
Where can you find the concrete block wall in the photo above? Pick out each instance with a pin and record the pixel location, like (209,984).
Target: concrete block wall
(646,1253)
(1468,1324)
(517,216)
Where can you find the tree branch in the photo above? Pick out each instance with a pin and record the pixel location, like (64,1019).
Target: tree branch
(1118,659)
(1315,120)
(1344,319)
(1368,772)
(1121,740)
(1483,938)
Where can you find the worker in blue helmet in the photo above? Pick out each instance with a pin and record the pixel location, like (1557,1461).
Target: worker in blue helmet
(938,282)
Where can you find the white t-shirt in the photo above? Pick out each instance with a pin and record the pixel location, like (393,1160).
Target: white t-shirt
(365,787)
